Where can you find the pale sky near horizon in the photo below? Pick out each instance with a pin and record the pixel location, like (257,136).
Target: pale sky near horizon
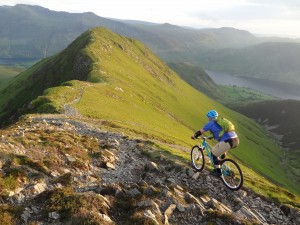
(267,17)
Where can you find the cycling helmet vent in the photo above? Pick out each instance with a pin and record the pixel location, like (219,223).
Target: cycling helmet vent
(212,114)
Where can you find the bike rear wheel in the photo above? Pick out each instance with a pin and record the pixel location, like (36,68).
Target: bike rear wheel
(232,175)
(197,158)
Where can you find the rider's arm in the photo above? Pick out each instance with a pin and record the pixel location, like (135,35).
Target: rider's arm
(198,133)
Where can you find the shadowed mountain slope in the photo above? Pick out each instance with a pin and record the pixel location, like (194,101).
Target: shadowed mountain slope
(124,85)
(281,119)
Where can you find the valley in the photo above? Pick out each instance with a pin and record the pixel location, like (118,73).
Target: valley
(276,89)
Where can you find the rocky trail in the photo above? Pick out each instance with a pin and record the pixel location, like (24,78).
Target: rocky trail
(121,185)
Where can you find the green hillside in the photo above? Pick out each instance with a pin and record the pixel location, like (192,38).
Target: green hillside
(197,78)
(126,87)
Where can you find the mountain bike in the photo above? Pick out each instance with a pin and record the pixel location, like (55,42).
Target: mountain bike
(231,173)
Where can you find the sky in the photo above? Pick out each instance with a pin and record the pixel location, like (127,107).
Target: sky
(260,17)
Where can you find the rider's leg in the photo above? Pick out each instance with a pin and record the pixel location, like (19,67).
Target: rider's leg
(218,150)
(216,159)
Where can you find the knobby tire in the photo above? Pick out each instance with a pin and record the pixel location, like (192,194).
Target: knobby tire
(232,178)
(197,158)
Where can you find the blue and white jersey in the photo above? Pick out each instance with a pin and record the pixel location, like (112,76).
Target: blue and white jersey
(216,129)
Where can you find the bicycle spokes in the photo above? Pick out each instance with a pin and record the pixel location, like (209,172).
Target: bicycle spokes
(197,158)
(232,175)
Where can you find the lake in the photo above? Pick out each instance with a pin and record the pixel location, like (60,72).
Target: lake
(275,88)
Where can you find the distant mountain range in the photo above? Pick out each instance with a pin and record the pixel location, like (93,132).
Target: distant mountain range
(36,32)
(33,32)
(279,118)
(273,61)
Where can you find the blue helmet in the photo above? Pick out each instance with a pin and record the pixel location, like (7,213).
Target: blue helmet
(212,114)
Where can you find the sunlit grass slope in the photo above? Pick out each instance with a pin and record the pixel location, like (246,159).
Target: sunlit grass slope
(128,87)
(139,93)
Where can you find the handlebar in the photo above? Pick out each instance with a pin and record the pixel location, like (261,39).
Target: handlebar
(209,138)
(204,138)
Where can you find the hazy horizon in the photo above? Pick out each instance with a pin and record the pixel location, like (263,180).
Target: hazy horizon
(268,18)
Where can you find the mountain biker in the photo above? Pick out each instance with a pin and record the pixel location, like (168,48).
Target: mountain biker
(226,141)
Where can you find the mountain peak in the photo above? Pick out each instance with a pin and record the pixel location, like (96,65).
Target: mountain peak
(107,45)
(97,55)
(32,7)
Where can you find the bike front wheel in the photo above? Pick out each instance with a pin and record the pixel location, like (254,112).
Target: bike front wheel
(232,175)
(197,157)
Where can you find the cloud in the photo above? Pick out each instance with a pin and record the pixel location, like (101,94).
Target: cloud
(287,3)
(251,11)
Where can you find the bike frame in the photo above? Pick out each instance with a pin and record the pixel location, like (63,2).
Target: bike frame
(231,177)
(207,148)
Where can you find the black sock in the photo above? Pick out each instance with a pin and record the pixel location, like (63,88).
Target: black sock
(216,160)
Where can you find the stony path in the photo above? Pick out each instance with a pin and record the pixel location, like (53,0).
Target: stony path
(129,168)
(71,111)
(129,162)
(156,192)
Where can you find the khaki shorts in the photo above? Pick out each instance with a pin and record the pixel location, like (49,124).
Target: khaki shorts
(221,148)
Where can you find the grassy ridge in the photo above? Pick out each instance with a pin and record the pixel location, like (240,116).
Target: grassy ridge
(138,94)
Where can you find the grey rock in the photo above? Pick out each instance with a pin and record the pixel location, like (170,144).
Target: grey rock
(133,192)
